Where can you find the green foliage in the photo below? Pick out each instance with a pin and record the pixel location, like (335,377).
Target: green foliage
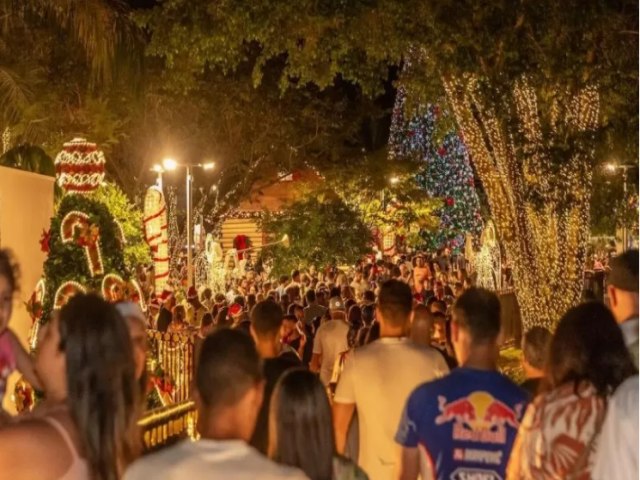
(322,232)
(67,261)
(30,158)
(136,250)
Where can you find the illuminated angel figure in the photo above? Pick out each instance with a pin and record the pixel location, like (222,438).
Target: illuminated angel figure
(216,275)
(488,262)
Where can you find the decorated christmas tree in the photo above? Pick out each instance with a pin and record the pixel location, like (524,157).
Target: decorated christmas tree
(85,243)
(445,172)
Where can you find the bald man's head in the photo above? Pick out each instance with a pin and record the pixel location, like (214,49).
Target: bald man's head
(422,326)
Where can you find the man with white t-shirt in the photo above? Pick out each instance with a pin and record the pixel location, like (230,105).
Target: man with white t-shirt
(377,380)
(229,390)
(330,341)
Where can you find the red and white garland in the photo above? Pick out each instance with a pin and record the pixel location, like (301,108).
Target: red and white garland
(156,235)
(79,166)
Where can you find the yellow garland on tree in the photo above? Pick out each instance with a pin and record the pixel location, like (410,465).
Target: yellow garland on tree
(545,242)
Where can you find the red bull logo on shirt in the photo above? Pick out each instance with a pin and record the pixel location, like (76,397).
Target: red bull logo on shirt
(478,417)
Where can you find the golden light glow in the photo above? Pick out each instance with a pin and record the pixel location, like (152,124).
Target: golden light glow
(543,225)
(169,164)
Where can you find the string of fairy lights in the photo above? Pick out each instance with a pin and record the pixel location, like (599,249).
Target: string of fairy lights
(541,214)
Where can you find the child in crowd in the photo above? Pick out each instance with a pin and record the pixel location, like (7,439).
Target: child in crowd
(13,356)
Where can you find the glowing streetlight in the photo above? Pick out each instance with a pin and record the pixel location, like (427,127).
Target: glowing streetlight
(611,167)
(169,164)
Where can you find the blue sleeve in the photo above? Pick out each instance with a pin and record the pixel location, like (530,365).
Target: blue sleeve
(407,434)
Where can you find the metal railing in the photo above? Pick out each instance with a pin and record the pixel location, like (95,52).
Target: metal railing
(166,425)
(176,419)
(175,353)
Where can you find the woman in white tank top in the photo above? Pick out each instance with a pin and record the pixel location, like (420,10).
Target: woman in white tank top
(86,430)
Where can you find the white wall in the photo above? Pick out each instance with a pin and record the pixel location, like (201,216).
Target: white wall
(26,208)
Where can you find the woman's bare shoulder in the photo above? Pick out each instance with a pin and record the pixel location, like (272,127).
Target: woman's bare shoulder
(32,448)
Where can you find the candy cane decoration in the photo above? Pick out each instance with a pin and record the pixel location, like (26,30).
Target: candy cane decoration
(116,289)
(90,239)
(65,292)
(36,301)
(156,236)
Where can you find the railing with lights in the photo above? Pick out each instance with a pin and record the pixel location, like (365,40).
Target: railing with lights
(174,353)
(171,365)
(167,425)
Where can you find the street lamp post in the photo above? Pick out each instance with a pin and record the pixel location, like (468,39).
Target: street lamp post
(612,167)
(169,164)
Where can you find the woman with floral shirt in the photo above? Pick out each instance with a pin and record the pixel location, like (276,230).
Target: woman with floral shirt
(587,361)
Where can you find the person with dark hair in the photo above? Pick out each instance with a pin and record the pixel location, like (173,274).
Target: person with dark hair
(295,279)
(222,318)
(266,330)
(179,320)
(368,317)
(440,294)
(302,434)
(534,350)
(282,285)
(458,289)
(624,299)
(373,333)
(586,362)
(88,429)
(377,379)
(313,309)
(229,387)
(251,301)
(166,313)
(354,320)
(369,298)
(335,292)
(468,419)
(293,338)
(434,305)
(441,339)
(206,325)
(207,299)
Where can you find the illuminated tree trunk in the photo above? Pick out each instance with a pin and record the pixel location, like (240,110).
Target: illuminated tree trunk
(538,183)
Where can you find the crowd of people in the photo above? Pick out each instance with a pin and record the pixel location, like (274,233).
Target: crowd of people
(387,372)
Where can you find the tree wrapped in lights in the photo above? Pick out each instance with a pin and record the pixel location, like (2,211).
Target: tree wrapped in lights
(85,242)
(444,171)
(540,203)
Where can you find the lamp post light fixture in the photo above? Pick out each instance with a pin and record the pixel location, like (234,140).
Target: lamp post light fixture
(169,164)
(612,168)
(157,168)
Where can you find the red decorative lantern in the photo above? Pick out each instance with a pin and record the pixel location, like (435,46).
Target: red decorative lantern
(79,166)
